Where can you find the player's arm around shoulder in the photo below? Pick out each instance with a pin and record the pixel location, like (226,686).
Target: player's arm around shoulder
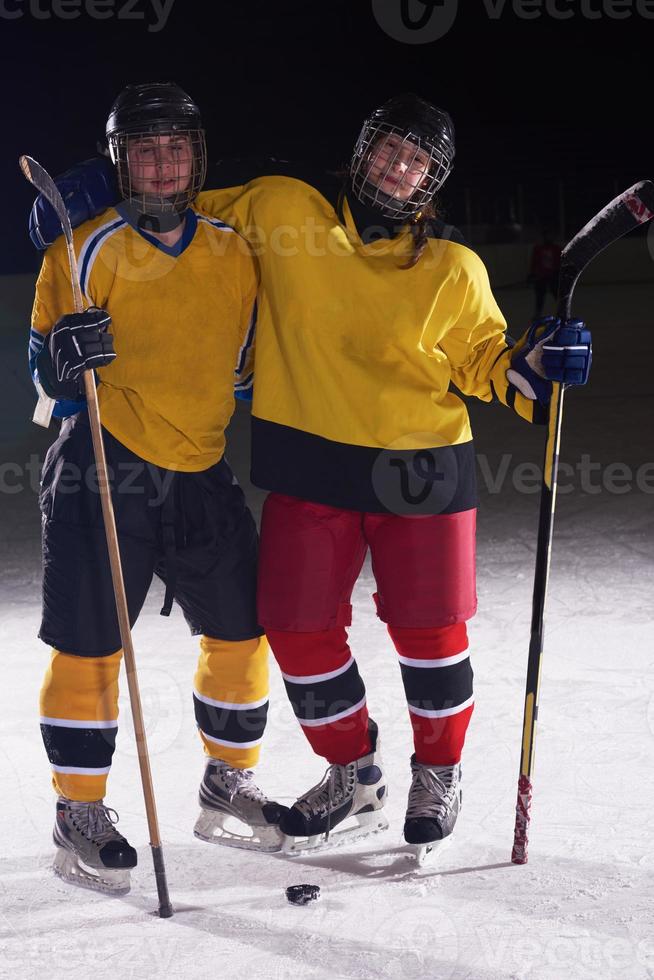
(230,205)
(253,209)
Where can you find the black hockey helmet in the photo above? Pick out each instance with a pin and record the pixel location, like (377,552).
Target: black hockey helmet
(153,112)
(422,129)
(153,107)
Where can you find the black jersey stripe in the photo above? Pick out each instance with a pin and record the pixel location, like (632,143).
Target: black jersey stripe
(414,482)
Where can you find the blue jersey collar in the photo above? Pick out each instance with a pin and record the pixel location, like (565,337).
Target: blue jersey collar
(190,224)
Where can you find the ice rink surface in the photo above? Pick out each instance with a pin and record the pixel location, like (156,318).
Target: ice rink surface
(584,905)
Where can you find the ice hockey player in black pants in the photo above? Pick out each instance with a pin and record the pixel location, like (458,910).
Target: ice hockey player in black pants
(168,352)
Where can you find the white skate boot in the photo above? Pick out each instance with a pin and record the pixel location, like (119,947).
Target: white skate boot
(235,812)
(90,851)
(434,803)
(343,807)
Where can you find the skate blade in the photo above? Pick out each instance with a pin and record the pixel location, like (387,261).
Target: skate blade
(70,868)
(212,826)
(426,855)
(367,824)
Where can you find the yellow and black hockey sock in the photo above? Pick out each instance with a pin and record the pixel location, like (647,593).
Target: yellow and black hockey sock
(79,721)
(231,698)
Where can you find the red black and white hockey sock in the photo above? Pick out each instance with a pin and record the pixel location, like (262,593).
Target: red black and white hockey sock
(327,694)
(437,677)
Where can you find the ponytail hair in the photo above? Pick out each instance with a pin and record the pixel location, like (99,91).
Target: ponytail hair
(419,223)
(419,227)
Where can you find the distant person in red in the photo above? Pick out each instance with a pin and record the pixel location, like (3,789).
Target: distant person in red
(544,269)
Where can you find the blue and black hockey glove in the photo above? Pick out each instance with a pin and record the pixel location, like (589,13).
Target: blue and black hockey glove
(87,189)
(77,342)
(551,350)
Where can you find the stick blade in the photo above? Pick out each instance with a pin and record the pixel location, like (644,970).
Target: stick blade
(25,164)
(39,177)
(644,190)
(634,207)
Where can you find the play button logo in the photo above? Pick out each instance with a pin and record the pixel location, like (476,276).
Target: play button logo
(415,21)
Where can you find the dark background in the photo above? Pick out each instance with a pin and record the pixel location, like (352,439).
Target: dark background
(551,106)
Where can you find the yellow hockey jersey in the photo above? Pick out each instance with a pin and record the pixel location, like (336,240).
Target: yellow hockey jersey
(356,355)
(183,327)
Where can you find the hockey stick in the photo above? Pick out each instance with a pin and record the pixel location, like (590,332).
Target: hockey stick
(45,184)
(632,208)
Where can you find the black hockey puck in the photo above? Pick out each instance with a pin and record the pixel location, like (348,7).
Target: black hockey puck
(302,894)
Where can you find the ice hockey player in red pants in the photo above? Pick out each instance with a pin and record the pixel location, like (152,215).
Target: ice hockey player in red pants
(365,446)
(365,322)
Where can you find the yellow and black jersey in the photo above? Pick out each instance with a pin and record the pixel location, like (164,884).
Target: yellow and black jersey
(183,326)
(356,354)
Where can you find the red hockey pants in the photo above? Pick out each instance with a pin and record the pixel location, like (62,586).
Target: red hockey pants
(310,557)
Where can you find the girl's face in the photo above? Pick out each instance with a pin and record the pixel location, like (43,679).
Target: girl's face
(160,164)
(397,166)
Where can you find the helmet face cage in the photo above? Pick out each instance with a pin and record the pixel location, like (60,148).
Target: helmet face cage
(160,171)
(412,150)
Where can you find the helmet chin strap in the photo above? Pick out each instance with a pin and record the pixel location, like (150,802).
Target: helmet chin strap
(153,221)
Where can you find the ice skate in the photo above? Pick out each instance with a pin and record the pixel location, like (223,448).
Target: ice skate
(90,851)
(434,803)
(235,812)
(343,807)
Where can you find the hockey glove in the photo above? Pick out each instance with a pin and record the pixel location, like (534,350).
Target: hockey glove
(87,189)
(77,342)
(550,351)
